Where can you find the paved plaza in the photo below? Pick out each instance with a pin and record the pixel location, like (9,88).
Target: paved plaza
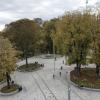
(40,85)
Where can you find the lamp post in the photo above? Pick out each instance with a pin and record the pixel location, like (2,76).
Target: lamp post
(54,57)
(86,4)
(68,82)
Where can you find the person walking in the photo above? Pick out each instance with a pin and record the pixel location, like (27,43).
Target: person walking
(60,74)
(53,76)
(61,68)
(63,61)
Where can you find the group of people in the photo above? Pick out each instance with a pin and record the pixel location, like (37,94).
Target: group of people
(42,65)
(11,82)
(61,68)
(36,62)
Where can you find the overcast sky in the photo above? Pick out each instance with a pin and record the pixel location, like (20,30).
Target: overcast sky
(11,10)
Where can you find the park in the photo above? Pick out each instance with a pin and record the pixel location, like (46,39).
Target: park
(53,59)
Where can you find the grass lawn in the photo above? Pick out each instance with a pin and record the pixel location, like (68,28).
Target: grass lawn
(87,78)
(9,90)
(31,67)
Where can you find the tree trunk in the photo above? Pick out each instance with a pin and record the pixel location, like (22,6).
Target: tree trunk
(26,61)
(8,79)
(97,72)
(78,68)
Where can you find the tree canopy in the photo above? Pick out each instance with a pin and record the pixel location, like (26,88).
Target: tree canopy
(7,56)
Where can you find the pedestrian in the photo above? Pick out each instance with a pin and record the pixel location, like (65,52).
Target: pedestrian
(66,72)
(20,88)
(60,74)
(53,76)
(12,82)
(63,61)
(55,58)
(61,68)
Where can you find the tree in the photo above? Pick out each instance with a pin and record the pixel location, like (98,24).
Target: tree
(95,32)
(7,58)
(96,55)
(73,37)
(39,21)
(24,34)
(49,30)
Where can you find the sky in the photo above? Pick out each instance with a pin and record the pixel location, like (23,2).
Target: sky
(12,10)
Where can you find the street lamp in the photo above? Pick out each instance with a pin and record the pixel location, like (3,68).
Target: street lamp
(54,57)
(86,4)
(68,82)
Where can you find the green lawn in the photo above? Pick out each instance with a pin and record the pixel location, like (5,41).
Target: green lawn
(31,67)
(9,90)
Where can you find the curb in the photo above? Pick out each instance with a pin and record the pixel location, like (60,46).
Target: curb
(28,71)
(12,93)
(84,88)
(8,94)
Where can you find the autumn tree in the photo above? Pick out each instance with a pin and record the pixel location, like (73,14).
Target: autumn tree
(7,58)
(73,33)
(95,32)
